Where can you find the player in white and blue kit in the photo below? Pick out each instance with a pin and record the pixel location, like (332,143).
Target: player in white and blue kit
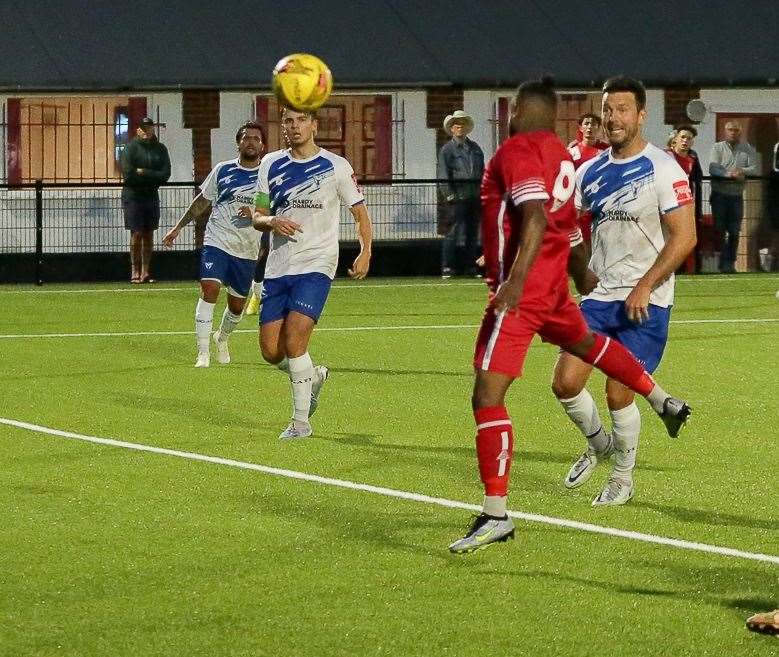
(300,191)
(231,245)
(643,228)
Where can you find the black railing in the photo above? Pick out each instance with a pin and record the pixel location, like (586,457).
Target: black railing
(86,218)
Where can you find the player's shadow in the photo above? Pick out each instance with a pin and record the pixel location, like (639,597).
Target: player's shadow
(382,529)
(390,372)
(709,517)
(91,374)
(368,441)
(698,585)
(210,412)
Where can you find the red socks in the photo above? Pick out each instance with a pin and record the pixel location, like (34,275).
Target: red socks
(611,358)
(494,448)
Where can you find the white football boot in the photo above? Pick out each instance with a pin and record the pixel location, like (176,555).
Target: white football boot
(296,430)
(585,465)
(222,350)
(321,373)
(203,359)
(616,492)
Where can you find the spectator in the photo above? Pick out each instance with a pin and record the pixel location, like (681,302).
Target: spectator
(770,230)
(680,146)
(680,143)
(585,147)
(731,162)
(587,143)
(461,163)
(145,166)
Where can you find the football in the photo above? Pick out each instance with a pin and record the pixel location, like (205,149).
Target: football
(302,82)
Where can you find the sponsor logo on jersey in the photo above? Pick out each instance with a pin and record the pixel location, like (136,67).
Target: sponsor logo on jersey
(593,187)
(618,215)
(682,191)
(209,265)
(305,204)
(240,198)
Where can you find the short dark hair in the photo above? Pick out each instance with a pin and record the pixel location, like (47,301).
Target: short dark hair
(687,127)
(250,125)
(309,113)
(590,115)
(541,89)
(622,83)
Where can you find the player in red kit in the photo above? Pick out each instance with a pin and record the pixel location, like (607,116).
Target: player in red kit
(528,218)
(586,147)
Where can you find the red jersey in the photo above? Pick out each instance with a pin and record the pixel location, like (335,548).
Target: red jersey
(581,152)
(687,162)
(528,166)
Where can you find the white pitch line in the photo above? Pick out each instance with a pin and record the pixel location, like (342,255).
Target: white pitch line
(118,290)
(194,288)
(338,329)
(391,492)
(126,334)
(451,284)
(725,321)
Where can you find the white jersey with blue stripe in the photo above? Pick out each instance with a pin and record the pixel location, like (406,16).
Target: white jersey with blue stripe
(230,187)
(309,192)
(627,198)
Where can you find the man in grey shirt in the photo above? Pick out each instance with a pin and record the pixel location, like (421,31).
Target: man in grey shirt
(461,163)
(730,162)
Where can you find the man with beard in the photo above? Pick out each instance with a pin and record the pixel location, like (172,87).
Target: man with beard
(231,245)
(643,229)
(528,226)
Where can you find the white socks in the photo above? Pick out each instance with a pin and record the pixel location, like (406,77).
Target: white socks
(257,289)
(204,318)
(656,398)
(301,376)
(584,414)
(625,427)
(494,505)
(229,322)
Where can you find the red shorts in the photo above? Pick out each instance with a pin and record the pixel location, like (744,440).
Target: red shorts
(504,339)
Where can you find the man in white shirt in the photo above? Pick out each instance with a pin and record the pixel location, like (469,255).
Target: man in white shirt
(643,228)
(231,245)
(299,195)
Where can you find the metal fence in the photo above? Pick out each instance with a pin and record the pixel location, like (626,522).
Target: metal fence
(84,218)
(87,218)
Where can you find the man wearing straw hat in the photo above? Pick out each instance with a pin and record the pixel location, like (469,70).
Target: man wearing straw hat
(461,164)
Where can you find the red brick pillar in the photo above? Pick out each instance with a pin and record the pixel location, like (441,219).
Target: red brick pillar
(442,101)
(676,100)
(200,109)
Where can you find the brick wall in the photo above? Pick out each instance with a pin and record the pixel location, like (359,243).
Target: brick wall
(442,101)
(200,112)
(676,100)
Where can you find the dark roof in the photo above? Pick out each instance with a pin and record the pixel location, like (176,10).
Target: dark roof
(141,45)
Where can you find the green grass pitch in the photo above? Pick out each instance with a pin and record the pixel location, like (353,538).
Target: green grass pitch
(111,552)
